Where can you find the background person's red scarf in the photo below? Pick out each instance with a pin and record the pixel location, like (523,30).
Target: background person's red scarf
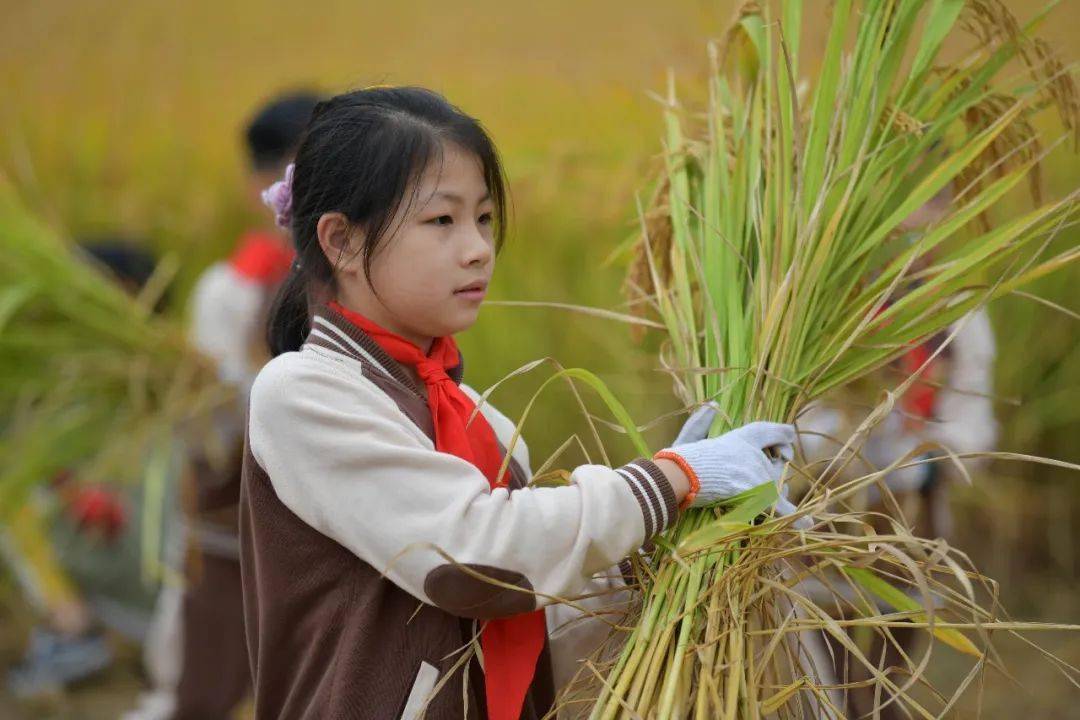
(511,645)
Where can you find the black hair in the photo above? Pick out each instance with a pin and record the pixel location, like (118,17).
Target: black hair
(126,259)
(361,154)
(273,133)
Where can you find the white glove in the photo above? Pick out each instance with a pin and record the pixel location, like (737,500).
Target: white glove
(697,425)
(736,461)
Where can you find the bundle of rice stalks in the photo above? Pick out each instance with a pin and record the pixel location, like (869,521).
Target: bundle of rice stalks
(778,255)
(91,377)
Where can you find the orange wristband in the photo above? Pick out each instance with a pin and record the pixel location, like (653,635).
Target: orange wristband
(679,460)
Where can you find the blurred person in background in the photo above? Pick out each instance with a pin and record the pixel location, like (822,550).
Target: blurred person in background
(948,408)
(76,548)
(202,641)
(950,404)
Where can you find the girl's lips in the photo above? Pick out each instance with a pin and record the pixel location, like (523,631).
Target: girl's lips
(472,293)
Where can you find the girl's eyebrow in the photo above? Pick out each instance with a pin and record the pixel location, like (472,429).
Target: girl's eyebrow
(458,199)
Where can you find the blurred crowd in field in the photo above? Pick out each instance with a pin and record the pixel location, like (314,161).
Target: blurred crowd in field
(79,551)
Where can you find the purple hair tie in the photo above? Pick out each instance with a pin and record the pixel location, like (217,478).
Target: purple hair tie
(278,197)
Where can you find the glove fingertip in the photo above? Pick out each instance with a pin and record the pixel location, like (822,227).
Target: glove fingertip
(785,507)
(766,434)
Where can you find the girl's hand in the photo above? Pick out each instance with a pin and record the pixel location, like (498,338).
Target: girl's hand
(722,467)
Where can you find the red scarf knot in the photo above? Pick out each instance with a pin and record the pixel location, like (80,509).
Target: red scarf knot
(432,372)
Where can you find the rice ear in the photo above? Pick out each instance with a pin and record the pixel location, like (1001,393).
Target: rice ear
(992,23)
(1060,88)
(1016,145)
(651,259)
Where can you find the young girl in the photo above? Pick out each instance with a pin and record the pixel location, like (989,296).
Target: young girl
(377,540)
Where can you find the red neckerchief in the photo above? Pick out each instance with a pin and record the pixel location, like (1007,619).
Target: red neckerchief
(511,645)
(262,257)
(920,399)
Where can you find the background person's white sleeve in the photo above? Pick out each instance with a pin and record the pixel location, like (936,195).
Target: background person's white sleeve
(225,312)
(965,409)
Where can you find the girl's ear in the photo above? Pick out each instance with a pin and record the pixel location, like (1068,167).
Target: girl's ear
(336,239)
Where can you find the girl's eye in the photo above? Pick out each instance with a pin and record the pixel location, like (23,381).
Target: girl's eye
(485,219)
(442,220)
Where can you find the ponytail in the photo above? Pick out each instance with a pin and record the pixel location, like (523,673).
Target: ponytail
(289,319)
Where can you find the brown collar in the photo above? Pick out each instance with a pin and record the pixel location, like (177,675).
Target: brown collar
(333,331)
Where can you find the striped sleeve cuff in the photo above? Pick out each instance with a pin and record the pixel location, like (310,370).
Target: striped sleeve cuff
(626,570)
(653,492)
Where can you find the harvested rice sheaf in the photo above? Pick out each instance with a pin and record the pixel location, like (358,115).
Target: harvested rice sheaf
(776,255)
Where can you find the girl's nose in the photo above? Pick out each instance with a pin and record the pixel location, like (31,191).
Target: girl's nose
(479,248)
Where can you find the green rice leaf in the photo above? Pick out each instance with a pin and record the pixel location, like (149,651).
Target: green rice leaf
(903,603)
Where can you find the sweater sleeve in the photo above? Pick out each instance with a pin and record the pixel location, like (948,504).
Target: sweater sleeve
(346,460)
(225,313)
(224,319)
(965,410)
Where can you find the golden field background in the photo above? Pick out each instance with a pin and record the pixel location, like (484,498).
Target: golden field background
(126,116)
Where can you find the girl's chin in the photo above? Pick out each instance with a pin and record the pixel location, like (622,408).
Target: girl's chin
(461,322)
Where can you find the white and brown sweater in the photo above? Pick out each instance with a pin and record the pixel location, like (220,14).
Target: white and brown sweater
(348,516)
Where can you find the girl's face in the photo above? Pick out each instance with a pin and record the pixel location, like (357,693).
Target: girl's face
(431,274)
